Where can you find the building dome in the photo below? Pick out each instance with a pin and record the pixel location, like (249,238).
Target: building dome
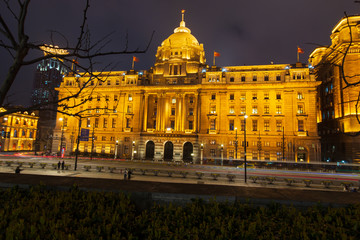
(181,37)
(181,50)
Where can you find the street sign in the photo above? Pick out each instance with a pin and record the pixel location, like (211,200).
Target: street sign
(84,134)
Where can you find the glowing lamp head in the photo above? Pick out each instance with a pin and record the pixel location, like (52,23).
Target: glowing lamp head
(246,116)
(60,119)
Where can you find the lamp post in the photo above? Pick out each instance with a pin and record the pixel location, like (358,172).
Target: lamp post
(245,117)
(116,148)
(236,144)
(201,153)
(222,154)
(62,136)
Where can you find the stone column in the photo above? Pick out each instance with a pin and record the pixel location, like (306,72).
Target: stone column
(145,119)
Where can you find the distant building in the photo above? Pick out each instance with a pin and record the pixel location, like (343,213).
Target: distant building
(338,96)
(183,110)
(48,77)
(18,131)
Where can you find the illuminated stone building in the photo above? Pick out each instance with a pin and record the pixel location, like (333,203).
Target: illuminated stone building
(339,95)
(182,110)
(18,131)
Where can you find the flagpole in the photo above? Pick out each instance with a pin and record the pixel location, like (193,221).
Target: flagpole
(132,66)
(214,59)
(298,56)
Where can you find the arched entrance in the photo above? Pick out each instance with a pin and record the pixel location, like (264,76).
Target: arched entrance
(150,149)
(168,151)
(302,154)
(187,152)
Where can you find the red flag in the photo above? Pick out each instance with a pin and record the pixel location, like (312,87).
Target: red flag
(300,50)
(74,61)
(216,54)
(135,59)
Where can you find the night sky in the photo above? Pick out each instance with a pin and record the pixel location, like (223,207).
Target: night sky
(244,32)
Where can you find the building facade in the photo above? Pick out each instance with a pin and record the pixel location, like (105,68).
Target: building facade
(338,69)
(18,131)
(183,110)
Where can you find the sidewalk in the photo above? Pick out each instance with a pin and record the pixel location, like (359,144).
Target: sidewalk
(174,188)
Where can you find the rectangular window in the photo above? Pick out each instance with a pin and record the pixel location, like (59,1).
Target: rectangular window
(231,110)
(88,122)
(115,97)
(107,98)
(254,78)
(129,109)
(213,152)
(254,109)
(300,125)
(232,79)
(266,96)
(191,125)
(212,124)
(231,154)
(278,96)
(278,109)
(65,122)
(254,96)
(231,97)
(254,125)
(213,96)
(128,123)
(266,78)
(231,125)
(267,155)
(243,78)
(279,125)
(113,123)
(266,125)
(279,156)
(191,111)
(278,77)
(103,138)
(213,109)
(243,110)
(266,109)
(242,125)
(300,109)
(243,96)
(98,98)
(117,82)
(96,122)
(172,111)
(172,124)
(254,155)
(191,100)
(108,82)
(130,98)
(105,122)
(300,96)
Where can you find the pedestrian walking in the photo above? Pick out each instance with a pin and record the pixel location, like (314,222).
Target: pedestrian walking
(17,170)
(59,164)
(63,165)
(125,174)
(129,174)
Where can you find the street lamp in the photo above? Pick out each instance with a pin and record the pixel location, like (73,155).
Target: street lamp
(222,154)
(201,153)
(116,148)
(62,135)
(236,144)
(245,117)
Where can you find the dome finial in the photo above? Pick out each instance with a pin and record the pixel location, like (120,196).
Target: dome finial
(182,15)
